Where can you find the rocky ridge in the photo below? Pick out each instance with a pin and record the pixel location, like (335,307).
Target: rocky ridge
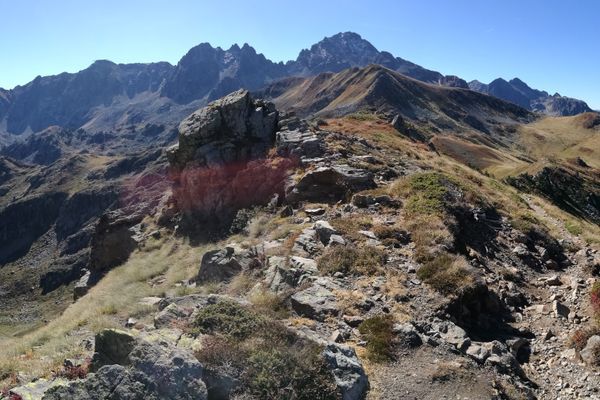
(483,310)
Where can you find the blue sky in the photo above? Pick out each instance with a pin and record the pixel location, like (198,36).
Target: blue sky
(550,44)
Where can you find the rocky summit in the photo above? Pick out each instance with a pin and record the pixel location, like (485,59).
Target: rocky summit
(348,225)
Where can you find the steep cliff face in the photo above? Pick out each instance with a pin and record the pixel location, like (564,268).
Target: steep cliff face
(24,222)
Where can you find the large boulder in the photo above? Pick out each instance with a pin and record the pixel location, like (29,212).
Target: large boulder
(222,150)
(223,264)
(114,240)
(209,134)
(326,184)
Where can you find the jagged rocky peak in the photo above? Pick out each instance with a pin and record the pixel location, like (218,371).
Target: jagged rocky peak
(335,53)
(209,73)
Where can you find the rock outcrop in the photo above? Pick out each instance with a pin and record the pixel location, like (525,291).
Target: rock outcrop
(127,367)
(221,153)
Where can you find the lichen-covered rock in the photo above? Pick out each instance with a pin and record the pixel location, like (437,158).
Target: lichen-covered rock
(35,390)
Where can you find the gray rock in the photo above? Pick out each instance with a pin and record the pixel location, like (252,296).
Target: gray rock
(454,334)
(299,144)
(170,315)
(336,240)
(316,302)
(235,117)
(521,250)
(559,309)
(347,370)
(112,346)
(330,184)
(223,264)
(307,243)
(284,273)
(82,286)
(590,351)
(478,352)
(152,372)
(324,231)
(407,335)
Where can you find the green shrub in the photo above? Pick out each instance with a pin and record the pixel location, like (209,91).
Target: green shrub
(273,363)
(379,336)
(229,319)
(573,228)
(426,193)
(363,260)
(446,273)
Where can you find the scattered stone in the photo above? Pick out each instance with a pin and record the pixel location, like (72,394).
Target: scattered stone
(520,250)
(324,231)
(559,309)
(553,280)
(408,335)
(131,322)
(313,212)
(170,315)
(368,234)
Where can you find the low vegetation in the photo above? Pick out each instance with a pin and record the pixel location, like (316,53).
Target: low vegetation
(446,273)
(378,332)
(269,360)
(352,260)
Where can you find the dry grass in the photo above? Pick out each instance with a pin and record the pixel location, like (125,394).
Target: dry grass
(349,226)
(352,260)
(44,349)
(446,273)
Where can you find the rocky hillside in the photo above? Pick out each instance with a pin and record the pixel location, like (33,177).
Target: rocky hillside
(382,90)
(268,256)
(516,91)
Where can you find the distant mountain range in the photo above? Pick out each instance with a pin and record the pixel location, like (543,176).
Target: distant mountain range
(516,91)
(108,100)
